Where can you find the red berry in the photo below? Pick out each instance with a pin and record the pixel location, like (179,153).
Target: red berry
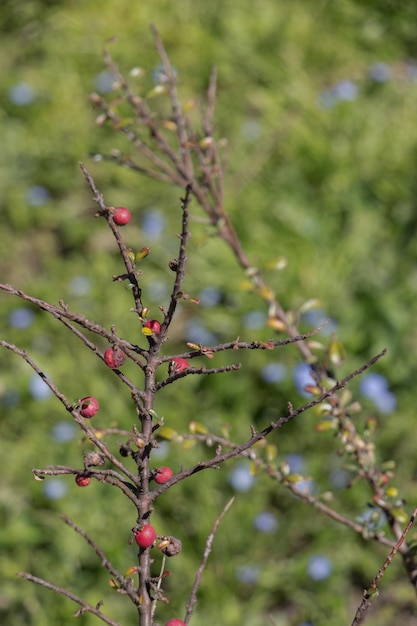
(178,365)
(89,406)
(82,481)
(121,215)
(114,357)
(145,536)
(154,326)
(175,622)
(162,475)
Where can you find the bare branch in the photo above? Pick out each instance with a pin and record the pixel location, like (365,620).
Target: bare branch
(372,592)
(85,607)
(105,562)
(199,573)
(292,414)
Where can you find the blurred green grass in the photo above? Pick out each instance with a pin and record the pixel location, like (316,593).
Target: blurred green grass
(321,171)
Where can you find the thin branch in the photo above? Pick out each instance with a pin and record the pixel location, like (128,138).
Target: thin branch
(202,371)
(206,554)
(108,476)
(105,562)
(129,264)
(211,439)
(180,262)
(372,592)
(85,606)
(63,314)
(69,407)
(292,414)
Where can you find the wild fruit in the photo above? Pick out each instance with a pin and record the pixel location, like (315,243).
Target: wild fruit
(82,481)
(145,536)
(153,326)
(89,406)
(178,365)
(121,215)
(162,475)
(114,357)
(175,622)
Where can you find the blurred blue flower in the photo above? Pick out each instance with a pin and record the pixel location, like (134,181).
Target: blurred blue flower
(317,317)
(21,318)
(379,72)
(302,376)
(162,451)
(247,574)
(319,567)
(21,94)
(374,387)
(197,333)
(64,431)
(54,488)
(159,76)
(153,224)
(340,479)
(38,388)
(373,518)
(80,285)
(371,385)
(10,398)
(210,296)
(346,90)
(254,320)
(37,195)
(295,462)
(273,372)
(104,82)
(265,522)
(305,486)
(157,290)
(241,478)
(343,91)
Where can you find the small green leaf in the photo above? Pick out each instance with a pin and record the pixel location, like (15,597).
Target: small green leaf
(399,514)
(197,428)
(167,433)
(310,305)
(337,353)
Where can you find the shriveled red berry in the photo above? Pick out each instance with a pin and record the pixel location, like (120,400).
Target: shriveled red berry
(114,357)
(154,326)
(121,215)
(89,406)
(82,481)
(145,536)
(178,365)
(175,622)
(162,475)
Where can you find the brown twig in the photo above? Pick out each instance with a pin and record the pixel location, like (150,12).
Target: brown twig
(105,562)
(291,415)
(206,554)
(85,606)
(372,592)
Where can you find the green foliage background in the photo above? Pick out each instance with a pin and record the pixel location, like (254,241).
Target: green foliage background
(329,184)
